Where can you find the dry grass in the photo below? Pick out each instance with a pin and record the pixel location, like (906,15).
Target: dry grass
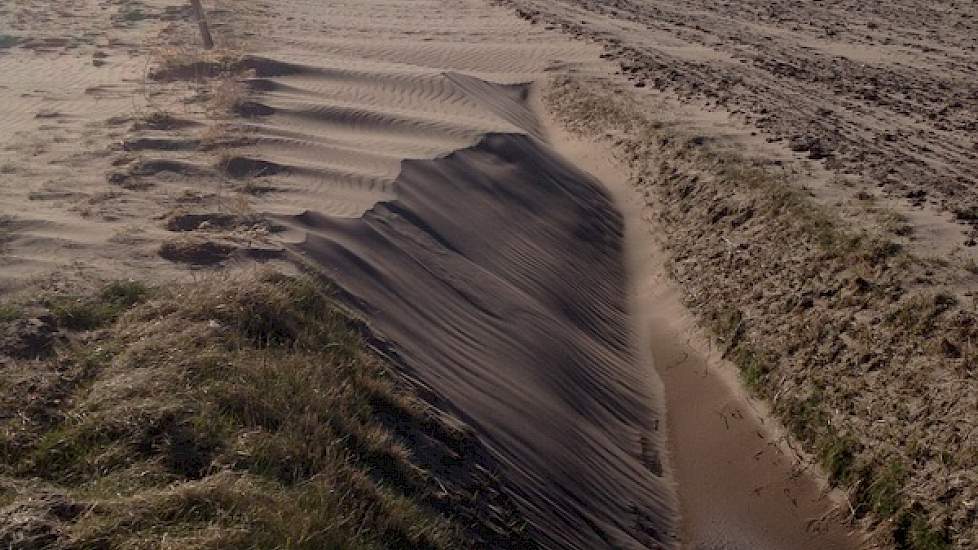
(9,312)
(88,313)
(233,413)
(895,223)
(227,96)
(971,266)
(192,64)
(155,120)
(195,250)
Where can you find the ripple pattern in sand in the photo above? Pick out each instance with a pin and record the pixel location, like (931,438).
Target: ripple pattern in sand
(489,268)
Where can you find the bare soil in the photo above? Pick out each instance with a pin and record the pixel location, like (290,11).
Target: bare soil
(885,96)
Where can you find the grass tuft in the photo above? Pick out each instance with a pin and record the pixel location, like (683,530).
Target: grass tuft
(77,313)
(884,495)
(9,313)
(124,294)
(913,532)
(837,454)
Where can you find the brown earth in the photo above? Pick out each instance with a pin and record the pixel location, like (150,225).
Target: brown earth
(885,96)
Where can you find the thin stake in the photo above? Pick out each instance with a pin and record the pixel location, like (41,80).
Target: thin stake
(205,32)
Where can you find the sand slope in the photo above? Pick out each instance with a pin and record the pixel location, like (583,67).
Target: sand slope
(497,277)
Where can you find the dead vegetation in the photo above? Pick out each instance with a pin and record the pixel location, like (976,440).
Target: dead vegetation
(217,76)
(189,63)
(237,412)
(195,250)
(228,96)
(160,120)
(211,221)
(865,357)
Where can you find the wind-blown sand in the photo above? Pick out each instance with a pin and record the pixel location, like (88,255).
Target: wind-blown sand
(519,327)
(740,484)
(397,152)
(494,271)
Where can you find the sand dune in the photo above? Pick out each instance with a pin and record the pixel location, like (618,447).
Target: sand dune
(491,269)
(411,170)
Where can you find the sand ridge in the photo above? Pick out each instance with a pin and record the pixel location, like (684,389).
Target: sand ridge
(522,330)
(494,273)
(491,268)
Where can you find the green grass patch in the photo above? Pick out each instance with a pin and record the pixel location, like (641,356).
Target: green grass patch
(754,367)
(884,495)
(132,12)
(89,313)
(837,454)
(124,294)
(913,532)
(67,454)
(10,313)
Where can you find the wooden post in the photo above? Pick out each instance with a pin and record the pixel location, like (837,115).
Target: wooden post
(205,32)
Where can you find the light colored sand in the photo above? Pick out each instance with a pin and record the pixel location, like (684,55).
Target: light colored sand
(66,96)
(373,83)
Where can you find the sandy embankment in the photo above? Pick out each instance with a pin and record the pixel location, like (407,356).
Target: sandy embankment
(394,145)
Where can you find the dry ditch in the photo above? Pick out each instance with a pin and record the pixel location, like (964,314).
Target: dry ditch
(863,355)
